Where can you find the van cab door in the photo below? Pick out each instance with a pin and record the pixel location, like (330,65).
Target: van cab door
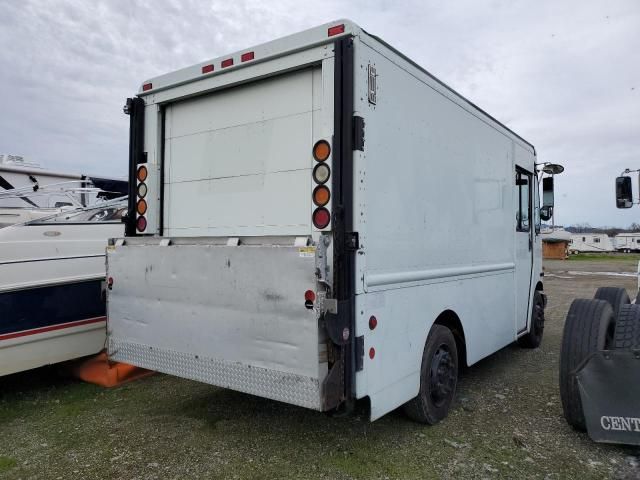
(523,194)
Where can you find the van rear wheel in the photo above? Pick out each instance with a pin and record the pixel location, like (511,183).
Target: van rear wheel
(438,378)
(533,338)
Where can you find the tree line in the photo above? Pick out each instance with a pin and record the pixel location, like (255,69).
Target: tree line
(611,231)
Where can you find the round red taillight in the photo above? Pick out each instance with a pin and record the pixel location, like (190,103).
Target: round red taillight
(373,322)
(141,224)
(310,296)
(372,353)
(321,217)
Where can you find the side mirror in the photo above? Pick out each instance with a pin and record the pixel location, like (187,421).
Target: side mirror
(624,192)
(547,194)
(546,213)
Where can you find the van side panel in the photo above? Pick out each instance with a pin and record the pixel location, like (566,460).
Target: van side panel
(434,205)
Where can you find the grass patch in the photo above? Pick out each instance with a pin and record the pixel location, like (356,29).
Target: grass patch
(7,464)
(608,257)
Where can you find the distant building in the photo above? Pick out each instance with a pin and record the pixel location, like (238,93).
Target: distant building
(555,244)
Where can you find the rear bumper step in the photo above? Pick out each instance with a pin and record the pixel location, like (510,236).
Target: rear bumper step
(282,386)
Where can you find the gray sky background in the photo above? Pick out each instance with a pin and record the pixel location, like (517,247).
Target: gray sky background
(565,75)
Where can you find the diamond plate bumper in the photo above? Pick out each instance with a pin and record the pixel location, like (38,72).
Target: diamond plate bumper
(282,386)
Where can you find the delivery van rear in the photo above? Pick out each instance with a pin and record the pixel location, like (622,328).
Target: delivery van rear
(317,220)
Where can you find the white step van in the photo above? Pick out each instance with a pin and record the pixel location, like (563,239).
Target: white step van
(318,220)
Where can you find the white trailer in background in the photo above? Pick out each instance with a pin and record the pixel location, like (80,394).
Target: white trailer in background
(627,242)
(590,242)
(299,228)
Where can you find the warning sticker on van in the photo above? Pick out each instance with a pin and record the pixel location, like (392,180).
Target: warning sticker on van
(307,252)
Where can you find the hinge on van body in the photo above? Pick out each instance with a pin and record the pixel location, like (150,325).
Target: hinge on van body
(372,84)
(359,353)
(358,133)
(351,241)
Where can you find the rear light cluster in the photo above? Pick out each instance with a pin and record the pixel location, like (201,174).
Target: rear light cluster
(141,203)
(321,193)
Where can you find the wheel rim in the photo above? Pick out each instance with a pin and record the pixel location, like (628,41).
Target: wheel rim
(442,375)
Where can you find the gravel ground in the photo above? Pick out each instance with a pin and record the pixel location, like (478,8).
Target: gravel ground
(506,422)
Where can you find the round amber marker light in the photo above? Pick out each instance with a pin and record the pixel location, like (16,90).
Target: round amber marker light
(321,150)
(321,173)
(142,207)
(321,196)
(142,173)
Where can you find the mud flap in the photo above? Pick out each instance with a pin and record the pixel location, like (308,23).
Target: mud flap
(609,383)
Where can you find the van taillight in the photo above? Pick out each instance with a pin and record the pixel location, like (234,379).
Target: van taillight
(142,173)
(141,224)
(321,217)
(321,150)
(142,206)
(321,194)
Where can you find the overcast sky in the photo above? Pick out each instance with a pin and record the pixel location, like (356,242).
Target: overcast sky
(563,74)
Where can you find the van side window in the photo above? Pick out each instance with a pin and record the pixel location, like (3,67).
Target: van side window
(523,184)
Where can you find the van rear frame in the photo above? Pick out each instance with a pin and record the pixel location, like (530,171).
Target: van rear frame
(383,287)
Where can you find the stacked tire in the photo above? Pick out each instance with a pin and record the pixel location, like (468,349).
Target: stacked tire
(608,321)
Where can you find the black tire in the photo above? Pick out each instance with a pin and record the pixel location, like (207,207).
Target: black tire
(438,378)
(627,332)
(533,338)
(615,296)
(586,328)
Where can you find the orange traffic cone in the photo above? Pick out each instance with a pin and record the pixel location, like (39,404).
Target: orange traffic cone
(99,370)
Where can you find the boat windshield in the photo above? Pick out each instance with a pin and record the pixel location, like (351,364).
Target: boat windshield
(110,213)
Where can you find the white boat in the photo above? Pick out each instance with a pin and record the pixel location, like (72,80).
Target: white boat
(28,191)
(52,272)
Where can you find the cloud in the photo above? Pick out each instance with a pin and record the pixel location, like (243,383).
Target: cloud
(564,75)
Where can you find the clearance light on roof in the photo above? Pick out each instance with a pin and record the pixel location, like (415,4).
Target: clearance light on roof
(335,30)
(147,86)
(227,63)
(207,68)
(245,57)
